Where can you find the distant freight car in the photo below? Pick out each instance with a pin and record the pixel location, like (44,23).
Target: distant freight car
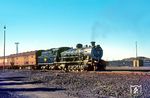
(21,60)
(7,65)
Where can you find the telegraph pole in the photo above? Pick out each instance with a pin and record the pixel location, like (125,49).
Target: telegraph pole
(136,49)
(4,46)
(17,43)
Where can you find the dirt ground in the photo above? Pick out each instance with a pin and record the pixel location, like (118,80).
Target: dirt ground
(58,84)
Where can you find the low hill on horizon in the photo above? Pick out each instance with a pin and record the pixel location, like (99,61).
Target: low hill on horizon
(139,57)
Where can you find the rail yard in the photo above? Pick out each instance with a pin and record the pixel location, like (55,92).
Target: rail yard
(71,73)
(56,84)
(87,58)
(74,49)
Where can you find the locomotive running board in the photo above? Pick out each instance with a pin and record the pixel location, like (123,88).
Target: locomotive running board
(45,63)
(68,62)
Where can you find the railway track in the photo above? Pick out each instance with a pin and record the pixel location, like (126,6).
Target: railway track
(127,68)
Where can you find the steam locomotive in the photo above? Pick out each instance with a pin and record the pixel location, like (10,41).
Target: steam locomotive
(63,58)
(73,59)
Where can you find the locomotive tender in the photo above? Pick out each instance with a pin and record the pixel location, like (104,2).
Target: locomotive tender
(63,58)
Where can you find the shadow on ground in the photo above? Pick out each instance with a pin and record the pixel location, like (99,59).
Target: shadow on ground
(20,83)
(3,79)
(12,78)
(30,89)
(6,95)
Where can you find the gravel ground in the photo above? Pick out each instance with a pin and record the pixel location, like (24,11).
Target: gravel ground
(90,84)
(6,95)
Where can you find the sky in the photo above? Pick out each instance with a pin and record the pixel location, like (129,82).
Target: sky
(43,24)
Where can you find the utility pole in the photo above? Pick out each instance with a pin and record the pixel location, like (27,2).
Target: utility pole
(4,46)
(135,62)
(17,43)
(136,49)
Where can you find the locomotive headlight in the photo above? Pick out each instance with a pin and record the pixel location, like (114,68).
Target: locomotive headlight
(45,59)
(95,61)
